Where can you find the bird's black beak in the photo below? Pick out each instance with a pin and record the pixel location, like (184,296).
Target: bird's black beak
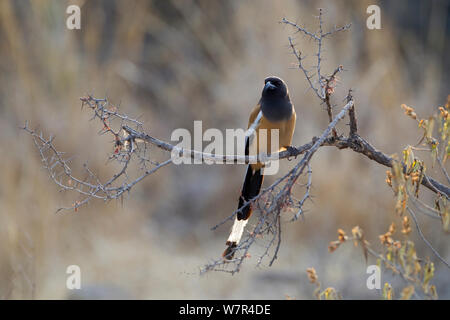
(269,86)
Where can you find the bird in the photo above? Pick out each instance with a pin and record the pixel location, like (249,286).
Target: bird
(273,111)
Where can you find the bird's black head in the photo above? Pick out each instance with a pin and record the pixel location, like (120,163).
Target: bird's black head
(275,102)
(275,87)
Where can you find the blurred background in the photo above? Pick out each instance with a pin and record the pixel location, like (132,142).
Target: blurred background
(173,62)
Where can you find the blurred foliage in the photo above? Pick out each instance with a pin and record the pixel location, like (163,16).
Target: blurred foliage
(400,256)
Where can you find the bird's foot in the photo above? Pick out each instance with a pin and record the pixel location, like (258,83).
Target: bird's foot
(292,151)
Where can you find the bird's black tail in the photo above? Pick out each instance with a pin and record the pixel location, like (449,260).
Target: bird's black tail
(251,188)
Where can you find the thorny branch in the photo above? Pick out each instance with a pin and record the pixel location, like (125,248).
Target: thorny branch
(126,151)
(325,85)
(354,142)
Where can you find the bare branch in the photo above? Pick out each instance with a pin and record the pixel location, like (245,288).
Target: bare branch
(301,29)
(299,57)
(419,230)
(444,171)
(92,187)
(305,197)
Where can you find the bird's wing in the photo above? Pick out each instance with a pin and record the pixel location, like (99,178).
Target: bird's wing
(253,115)
(290,128)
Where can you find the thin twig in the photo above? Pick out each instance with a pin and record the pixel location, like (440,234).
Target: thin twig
(419,230)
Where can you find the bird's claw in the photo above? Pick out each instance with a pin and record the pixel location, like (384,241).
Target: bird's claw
(291,150)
